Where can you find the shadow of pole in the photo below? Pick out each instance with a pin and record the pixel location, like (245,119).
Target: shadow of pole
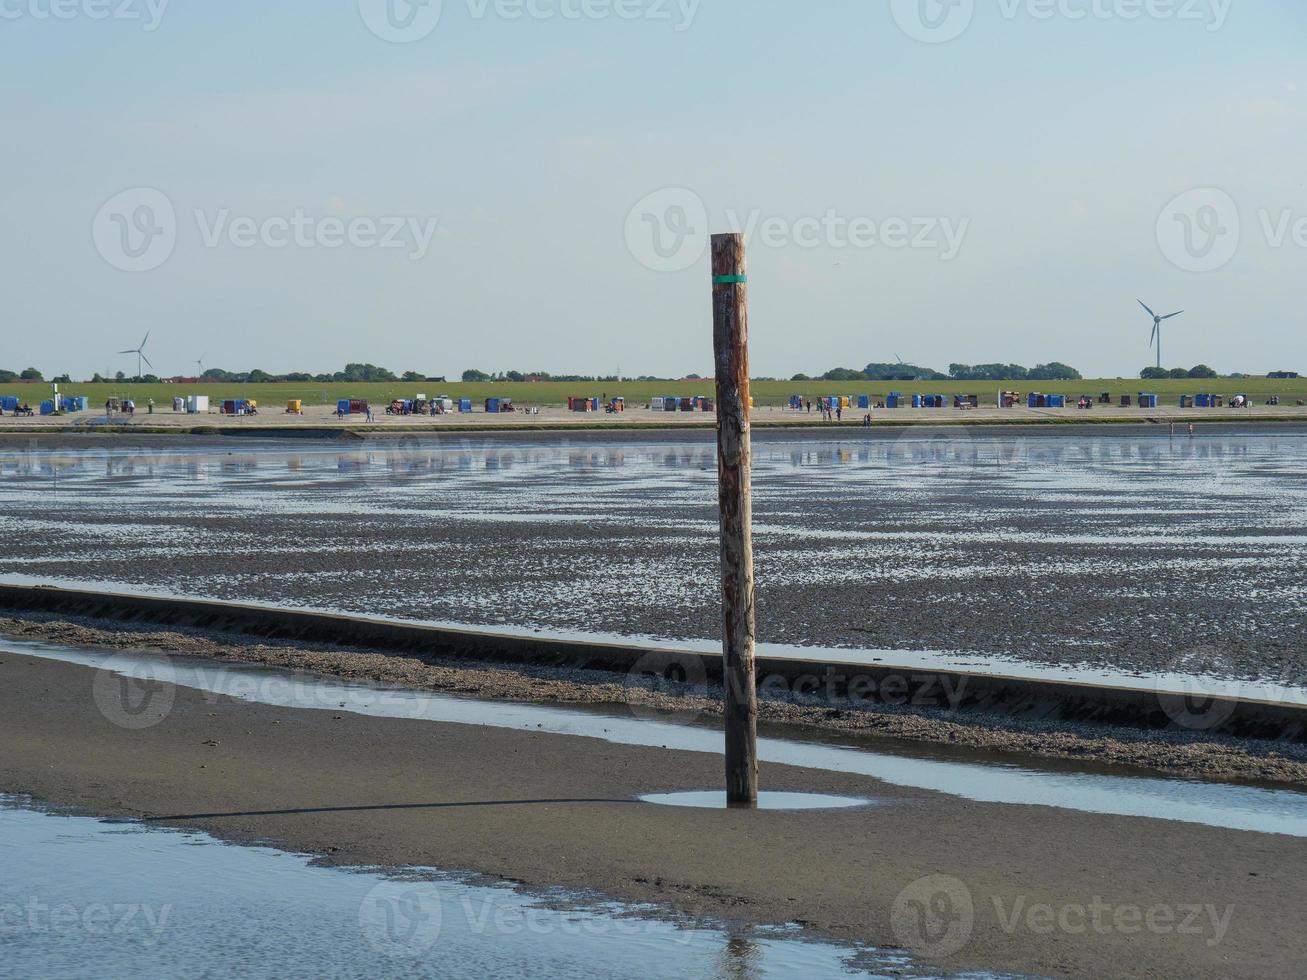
(366,808)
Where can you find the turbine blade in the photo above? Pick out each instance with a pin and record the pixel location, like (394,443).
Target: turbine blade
(1154,337)
(146,360)
(1168,316)
(127,352)
(147,337)
(1145,306)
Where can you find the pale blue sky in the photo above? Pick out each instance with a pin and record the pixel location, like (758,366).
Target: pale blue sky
(1051,147)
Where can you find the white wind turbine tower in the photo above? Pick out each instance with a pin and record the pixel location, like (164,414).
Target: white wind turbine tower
(140,354)
(1157,329)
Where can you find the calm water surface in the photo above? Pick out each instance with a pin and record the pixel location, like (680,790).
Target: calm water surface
(81,897)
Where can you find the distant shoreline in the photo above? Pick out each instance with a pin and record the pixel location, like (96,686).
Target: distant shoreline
(274,426)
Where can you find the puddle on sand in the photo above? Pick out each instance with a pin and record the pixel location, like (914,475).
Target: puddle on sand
(766,801)
(82,897)
(1233,806)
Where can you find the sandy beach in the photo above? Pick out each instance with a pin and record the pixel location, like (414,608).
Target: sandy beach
(552,417)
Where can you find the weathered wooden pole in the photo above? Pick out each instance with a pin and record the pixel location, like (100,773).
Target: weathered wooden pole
(730,297)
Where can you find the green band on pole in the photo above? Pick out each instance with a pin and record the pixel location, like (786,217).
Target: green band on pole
(729,280)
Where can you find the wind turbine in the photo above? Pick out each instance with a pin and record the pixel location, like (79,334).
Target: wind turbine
(1157,329)
(140,354)
(199,363)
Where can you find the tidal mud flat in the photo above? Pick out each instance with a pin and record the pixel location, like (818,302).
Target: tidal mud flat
(1126,551)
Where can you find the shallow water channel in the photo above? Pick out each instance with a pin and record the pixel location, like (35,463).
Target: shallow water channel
(1238,807)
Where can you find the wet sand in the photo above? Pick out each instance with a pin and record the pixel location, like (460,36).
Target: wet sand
(548,810)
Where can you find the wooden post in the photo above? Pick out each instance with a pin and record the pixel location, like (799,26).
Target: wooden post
(734,476)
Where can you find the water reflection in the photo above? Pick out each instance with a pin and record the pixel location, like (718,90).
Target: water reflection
(1274,453)
(90,898)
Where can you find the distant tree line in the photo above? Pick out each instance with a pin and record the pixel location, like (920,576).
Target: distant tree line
(1053,371)
(27,374)
(352,373)
(144,379)
(474,375)
(876,371)
(1163,374)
